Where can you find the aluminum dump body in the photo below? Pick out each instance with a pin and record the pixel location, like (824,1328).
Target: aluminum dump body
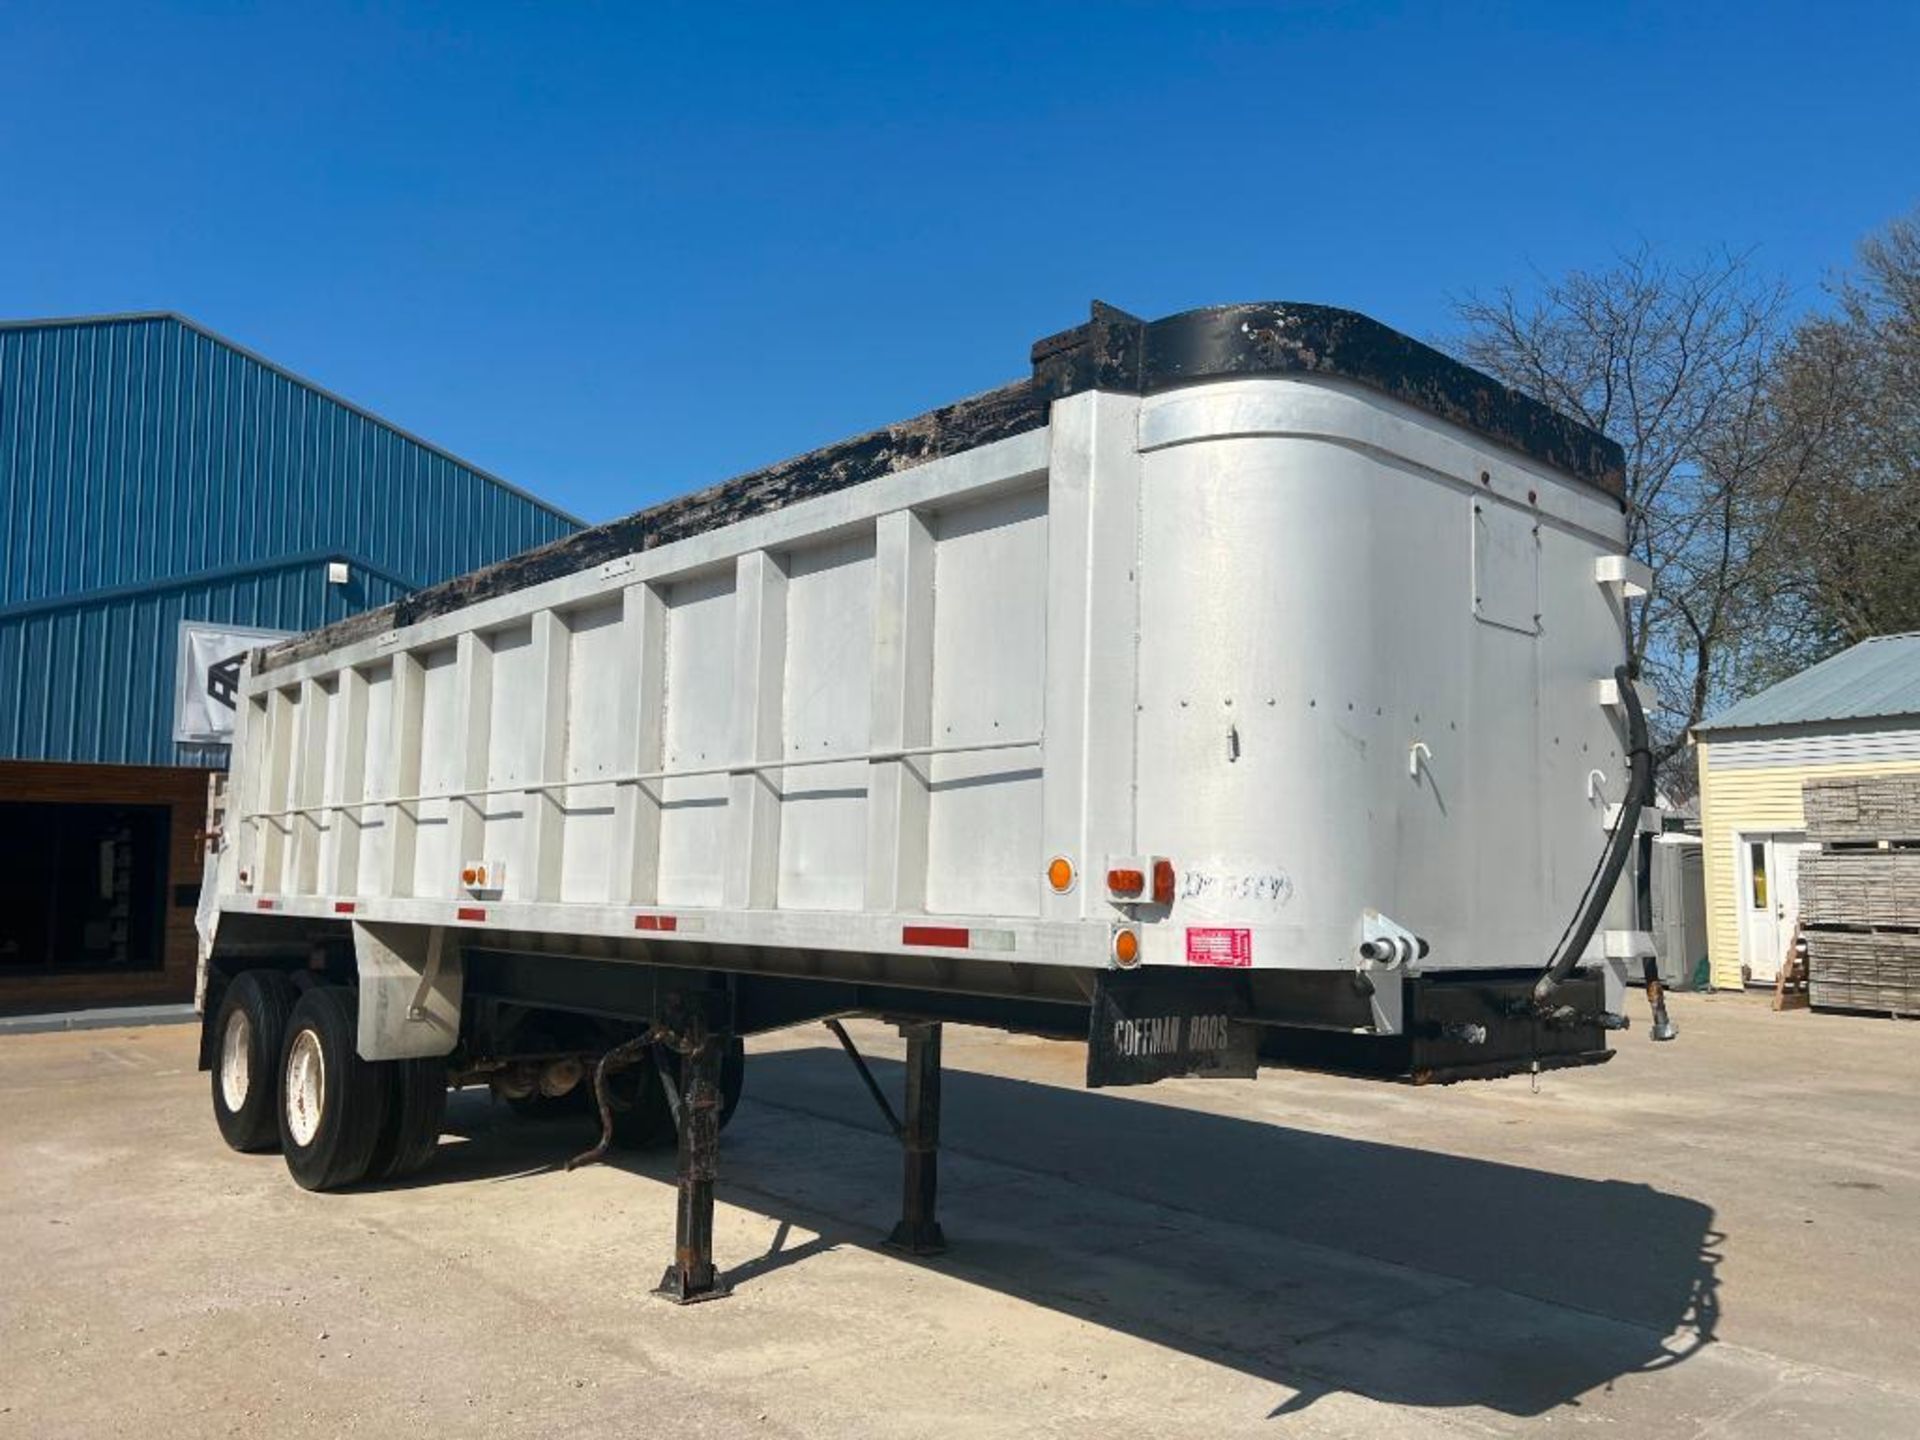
(1225,642)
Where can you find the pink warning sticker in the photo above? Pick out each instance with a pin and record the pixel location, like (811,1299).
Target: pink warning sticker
(1232,948)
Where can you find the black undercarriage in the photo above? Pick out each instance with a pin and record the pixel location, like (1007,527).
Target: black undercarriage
(528,1017)
(1458,1025)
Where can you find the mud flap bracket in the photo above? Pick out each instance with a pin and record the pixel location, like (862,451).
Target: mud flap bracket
(411,982)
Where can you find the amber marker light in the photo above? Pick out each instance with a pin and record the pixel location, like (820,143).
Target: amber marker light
(1060,874)
(1126,948)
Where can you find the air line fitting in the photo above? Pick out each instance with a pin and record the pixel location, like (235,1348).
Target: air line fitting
(1393,950)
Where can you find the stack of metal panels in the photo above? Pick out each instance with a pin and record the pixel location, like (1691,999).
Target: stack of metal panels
(1860,893)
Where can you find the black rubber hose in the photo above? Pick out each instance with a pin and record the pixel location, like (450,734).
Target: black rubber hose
(1619,845)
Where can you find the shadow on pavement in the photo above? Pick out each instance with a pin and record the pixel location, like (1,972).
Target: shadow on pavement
(1321,1264)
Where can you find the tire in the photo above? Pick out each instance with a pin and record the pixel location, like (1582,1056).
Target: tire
(333,1105)
(642,1118)
(733,1078)
(642,1115)
(415,1113)
(247,1033)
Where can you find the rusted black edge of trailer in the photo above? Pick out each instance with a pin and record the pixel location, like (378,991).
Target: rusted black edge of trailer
(1113,351)
(1116,351)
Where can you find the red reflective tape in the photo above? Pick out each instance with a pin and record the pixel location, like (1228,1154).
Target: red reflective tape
(344,907)
(952,937)
(469,912)
(266,904)
(656,922)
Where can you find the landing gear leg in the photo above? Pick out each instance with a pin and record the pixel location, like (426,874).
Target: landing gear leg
(696,1102)
(918,1232)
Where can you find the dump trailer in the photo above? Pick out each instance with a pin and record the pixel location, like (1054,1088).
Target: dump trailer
(1246,685)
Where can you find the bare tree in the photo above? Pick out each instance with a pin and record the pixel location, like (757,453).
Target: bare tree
(1673,362)
(1849,384)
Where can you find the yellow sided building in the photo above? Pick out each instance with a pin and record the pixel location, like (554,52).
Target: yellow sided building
(1855,714)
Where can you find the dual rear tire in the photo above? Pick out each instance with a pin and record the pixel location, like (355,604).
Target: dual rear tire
(332,1103)
(286,1072)
(249,1031)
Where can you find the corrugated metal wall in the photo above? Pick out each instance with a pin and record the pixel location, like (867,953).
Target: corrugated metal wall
(150,473)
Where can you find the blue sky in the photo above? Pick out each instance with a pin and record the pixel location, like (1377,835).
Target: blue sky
(614,252)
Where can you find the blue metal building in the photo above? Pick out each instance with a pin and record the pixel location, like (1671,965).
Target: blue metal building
(153,473)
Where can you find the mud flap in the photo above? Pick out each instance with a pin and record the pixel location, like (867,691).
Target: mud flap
(1150,1025)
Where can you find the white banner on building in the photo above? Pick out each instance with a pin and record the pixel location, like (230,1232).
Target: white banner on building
(208,688)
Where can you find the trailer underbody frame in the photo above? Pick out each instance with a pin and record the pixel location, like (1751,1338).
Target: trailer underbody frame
(1470,1026)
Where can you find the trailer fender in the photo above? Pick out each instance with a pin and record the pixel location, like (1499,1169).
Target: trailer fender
(412,978)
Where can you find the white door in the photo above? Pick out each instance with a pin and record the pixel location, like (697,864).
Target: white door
(1769,902)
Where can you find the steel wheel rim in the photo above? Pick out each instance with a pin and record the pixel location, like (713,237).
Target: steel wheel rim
(306,1088)
(236,1060)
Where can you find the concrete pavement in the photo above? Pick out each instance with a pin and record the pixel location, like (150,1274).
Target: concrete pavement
(1717,1237)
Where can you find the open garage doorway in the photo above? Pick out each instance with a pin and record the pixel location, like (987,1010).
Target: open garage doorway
(99,877)
(82,887)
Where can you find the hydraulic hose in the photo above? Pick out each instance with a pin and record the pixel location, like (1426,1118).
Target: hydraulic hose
(1619,846)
